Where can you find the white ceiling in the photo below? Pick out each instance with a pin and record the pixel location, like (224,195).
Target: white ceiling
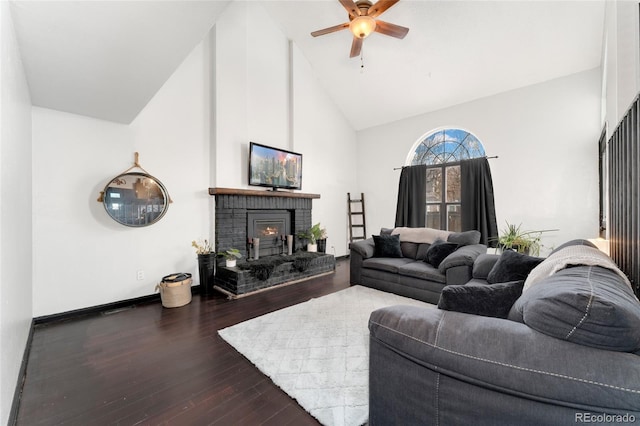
(106,59)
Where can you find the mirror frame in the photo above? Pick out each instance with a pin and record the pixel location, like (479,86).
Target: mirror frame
(163,192)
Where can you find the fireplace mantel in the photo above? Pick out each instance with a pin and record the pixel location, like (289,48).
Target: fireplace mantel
(260,193)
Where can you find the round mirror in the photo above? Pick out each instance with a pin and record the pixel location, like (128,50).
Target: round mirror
(135,199)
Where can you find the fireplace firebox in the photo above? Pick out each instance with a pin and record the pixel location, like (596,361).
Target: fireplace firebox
(269,226)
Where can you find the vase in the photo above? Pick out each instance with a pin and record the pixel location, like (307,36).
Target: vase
(230,263)
(207,272)
(289,245)
(322,245)
(312,248)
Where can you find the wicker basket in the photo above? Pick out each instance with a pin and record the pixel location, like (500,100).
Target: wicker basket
(175,290)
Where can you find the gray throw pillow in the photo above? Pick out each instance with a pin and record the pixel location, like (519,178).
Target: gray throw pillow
(387,246)
(588,305)
(512,266)
(465,238)
(479,299)
(409,250)
(438,251)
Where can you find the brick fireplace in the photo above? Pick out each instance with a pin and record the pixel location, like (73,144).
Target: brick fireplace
(241,214)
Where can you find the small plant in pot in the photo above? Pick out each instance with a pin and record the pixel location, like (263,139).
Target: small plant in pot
(231,256)
(312,235)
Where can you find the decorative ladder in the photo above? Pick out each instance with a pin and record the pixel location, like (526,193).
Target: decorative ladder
(357,224)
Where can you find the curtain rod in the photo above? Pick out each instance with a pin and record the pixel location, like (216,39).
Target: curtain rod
(488,158)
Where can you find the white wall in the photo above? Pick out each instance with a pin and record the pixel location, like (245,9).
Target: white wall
(621,79)
(15,212)
(329,145)
(546,137)
(83,258)
(267,92)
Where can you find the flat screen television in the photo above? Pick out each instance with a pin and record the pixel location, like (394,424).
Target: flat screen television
(274,167)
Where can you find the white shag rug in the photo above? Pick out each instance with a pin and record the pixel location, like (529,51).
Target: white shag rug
(318,351)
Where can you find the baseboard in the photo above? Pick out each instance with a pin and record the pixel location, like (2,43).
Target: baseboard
(104,309)
(22,374)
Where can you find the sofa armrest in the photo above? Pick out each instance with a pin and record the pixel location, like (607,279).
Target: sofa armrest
(501,356)
(364,248)
(464,256)
(359,251)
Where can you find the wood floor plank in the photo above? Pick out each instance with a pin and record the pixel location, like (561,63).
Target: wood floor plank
(152,365)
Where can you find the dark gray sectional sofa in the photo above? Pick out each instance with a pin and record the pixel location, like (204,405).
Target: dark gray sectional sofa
(568,353)
(410,275)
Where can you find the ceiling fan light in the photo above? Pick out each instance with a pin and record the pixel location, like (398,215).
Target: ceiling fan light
(362,26)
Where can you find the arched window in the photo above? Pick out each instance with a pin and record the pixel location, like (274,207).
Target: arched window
(441,151)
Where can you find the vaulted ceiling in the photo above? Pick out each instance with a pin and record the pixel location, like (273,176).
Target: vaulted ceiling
(106,59)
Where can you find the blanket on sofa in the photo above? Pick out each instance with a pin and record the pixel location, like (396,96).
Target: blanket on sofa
(572,255)
(420,235)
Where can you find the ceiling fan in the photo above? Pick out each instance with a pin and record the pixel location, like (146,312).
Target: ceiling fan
(362,22)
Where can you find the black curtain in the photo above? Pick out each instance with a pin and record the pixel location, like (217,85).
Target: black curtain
(412,197)
(478,206)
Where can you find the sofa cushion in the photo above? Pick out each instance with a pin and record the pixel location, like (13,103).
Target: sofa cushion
(512,266)
(409,250)
(387,246)
(423,271)
(423,248)
(438,251)
(588,305)
(483,265)
(389,264)
(489,300)
(465,238)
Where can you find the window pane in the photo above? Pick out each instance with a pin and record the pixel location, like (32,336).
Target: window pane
(453,184)
(433,216)
(454,221)
(434,185)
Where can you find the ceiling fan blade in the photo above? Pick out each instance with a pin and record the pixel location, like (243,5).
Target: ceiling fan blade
(392,30)
(380,7)
(351,7)
(356,47)
(330,29)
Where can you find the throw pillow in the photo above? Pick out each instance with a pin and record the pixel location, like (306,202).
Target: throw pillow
(438,251)
(465,238)
(512,266)
(387,246)
(479,299)
(421,254)
(587,305)
(409,250)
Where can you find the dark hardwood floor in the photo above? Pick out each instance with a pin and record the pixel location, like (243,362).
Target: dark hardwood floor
(152,365)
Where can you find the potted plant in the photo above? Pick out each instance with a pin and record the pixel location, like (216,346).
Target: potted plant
(312,235)
(322,241)
(231,256)
(514,238)
(206,265)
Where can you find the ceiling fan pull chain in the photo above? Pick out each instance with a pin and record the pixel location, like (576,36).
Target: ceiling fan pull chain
(361,63)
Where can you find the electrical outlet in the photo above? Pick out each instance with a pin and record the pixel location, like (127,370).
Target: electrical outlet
(140,275)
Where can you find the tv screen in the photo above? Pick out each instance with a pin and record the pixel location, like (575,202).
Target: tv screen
(274,167)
